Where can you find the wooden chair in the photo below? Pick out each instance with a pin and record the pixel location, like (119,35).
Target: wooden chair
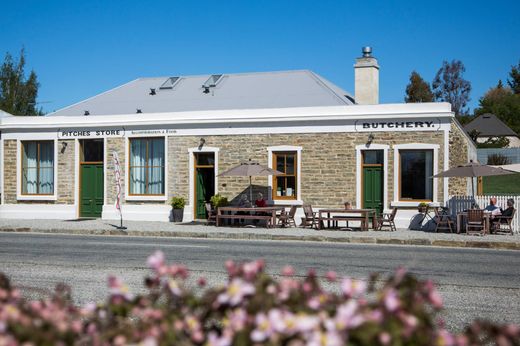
(476,222)
(443,220)
(387,220)
(503,224)
(287,219)
(211,214)
(310,219)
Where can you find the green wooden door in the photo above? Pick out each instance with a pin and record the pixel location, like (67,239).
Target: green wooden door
(200,208)
(204,189)
(91,199)
(373,188)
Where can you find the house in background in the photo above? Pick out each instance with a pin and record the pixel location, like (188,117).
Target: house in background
(488,126)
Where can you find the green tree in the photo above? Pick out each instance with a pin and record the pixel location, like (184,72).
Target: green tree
(18,93)
(450,86)
(503,103)
(514,82)
(418,90)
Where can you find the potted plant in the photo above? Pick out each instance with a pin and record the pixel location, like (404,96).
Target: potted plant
(422,207)
(178,204)
(218,201)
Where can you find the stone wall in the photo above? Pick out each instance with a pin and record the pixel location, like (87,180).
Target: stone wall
(328,167)
(9,165)
(118,145)
(459,147)
(66,172)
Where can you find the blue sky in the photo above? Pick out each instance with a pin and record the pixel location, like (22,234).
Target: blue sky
(81,48)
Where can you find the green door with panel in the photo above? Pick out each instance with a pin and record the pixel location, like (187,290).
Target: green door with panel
(91,195)
(373,188)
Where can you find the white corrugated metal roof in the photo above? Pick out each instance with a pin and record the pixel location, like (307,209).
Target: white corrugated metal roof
(281,89)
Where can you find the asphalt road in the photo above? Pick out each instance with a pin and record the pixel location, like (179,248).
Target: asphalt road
(474,283)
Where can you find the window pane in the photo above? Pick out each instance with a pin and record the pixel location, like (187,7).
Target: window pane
(280,186)
(147,166)
(416,172)
(38,167)
(289,164)
(138,180)
(371,157)
(290,186)
(280,163)
(204,159)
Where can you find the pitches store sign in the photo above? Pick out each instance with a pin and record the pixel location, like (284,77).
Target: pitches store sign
(90,133)
(398,125)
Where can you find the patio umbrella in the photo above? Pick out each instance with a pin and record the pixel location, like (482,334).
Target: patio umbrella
(250,169)
(473,169)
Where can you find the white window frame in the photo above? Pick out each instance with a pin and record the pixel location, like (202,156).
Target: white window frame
(359,165)
(414,146)
(286,148)
(128,197)
(19,195)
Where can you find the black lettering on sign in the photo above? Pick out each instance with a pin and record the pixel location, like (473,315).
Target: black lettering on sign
(366,125)
(429,123)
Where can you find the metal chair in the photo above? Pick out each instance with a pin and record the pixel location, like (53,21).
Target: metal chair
(503,224)
(443,220)
(287,219)
(476,222)
(387,220)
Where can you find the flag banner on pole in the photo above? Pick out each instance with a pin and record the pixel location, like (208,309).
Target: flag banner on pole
(117,173)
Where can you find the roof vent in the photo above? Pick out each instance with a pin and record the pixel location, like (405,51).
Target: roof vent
(367,52)
(86,113)
(169,83)
(212,81)
(152,91)
(138,111)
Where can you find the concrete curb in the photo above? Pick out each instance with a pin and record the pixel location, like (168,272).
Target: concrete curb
(496,245)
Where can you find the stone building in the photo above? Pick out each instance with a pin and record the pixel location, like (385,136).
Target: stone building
(174,135)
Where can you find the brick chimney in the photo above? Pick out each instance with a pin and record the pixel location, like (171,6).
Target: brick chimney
(366,79)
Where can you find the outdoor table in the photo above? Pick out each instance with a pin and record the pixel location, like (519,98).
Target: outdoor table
(251,213)
(462,215)
(364,217)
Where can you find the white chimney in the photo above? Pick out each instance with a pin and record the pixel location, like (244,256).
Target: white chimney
(366,75)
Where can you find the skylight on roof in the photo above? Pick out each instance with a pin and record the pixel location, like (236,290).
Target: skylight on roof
(169,83)
(212,81)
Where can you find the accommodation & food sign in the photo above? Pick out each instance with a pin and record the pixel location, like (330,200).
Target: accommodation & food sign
(91,133)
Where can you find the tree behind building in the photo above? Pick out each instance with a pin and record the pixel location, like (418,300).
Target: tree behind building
(450,86)
(418,90)
(18,93)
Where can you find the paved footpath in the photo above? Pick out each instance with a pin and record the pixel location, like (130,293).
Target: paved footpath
(199,230)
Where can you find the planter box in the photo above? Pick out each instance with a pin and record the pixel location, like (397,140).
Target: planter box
(177,215)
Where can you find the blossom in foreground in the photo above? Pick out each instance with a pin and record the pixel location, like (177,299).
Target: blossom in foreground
(235,292)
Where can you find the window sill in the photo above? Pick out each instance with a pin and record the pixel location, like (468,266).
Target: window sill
(412,204)
(285,202)
(36,197)
(146,198)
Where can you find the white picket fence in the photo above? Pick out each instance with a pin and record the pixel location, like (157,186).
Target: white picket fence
(460,203)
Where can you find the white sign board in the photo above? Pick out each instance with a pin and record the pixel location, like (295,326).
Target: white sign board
(90,133)
(432,124)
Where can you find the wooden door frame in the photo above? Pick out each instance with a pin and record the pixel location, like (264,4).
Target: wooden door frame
(190,208)
(195,166)
(359,172)
(79,148)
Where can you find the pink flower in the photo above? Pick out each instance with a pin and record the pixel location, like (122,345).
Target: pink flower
(288,271)
(348,316)
(156,260)
(353,288)
(251,269)
(237,319)
(328,338)
(384,338)
(201,281)
(118,289)
(215,340)
(178,271)
(231,268)
(235,292)
(444,338)
(174,287)
(331,276)
(263,329)
(391,300)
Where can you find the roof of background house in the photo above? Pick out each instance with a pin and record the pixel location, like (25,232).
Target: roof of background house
(489,125)
(281,89)
(5,114)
